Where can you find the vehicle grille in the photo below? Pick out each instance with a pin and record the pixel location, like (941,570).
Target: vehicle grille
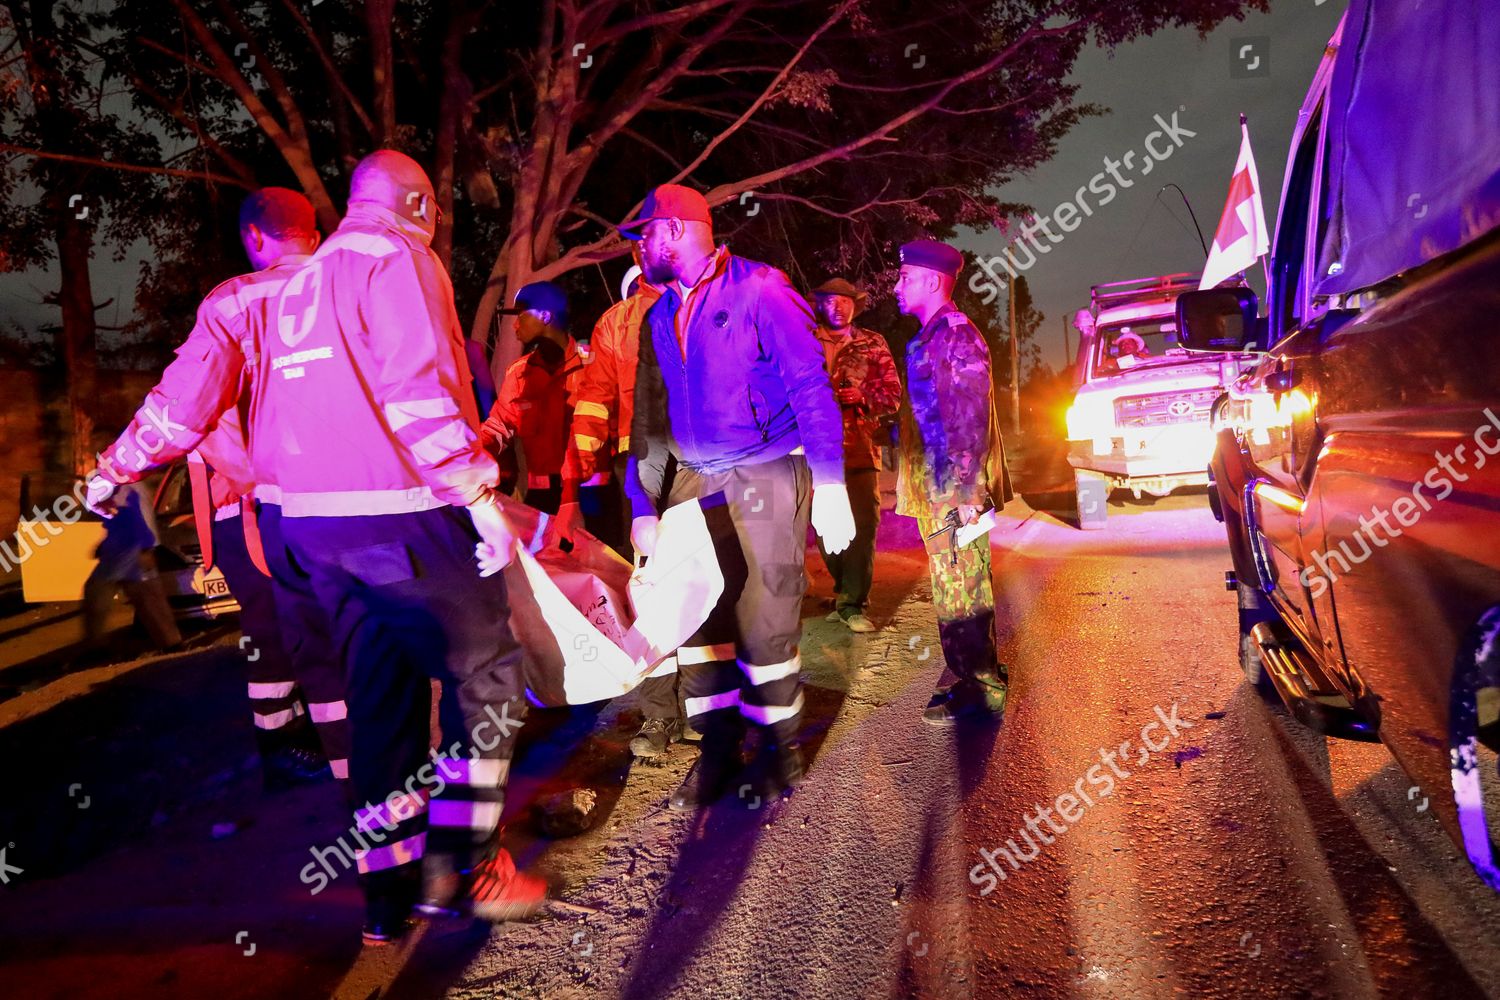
(1165,408)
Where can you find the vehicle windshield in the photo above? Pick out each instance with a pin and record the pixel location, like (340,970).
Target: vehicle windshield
(1132,345)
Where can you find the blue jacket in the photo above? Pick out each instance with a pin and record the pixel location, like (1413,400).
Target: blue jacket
(751,389)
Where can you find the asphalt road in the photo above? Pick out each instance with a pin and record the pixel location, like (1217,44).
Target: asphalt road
(1231,854)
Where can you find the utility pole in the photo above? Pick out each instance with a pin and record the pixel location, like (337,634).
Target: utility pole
(1015,365)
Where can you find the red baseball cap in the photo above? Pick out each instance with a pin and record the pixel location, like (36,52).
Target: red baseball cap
(668,201)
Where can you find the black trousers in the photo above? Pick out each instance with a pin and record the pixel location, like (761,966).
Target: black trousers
(743,665)
(605,512)
(657,695)
(276,704)
(303,630)
(407,605)
(853,570)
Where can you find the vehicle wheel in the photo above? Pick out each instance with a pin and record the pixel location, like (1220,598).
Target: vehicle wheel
(1091,493)
(1473,738)
(1254,609)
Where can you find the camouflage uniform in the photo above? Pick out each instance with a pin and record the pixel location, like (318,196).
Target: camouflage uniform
(951,454)
(863,362)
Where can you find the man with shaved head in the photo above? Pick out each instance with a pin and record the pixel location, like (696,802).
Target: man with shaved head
(365,412)
(395,181)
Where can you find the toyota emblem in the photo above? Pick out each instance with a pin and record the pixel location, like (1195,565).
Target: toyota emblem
(1180,408)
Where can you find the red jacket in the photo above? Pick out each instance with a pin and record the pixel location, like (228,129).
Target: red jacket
(363,401)
(199,401)
(535,404)
(198,407)
(606,389)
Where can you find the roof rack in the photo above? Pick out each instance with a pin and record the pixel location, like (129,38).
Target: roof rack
(1164,286)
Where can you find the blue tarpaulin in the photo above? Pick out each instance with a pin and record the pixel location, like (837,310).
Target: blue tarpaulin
(1413,137)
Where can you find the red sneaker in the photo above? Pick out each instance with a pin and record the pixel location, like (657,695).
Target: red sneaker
(497,891)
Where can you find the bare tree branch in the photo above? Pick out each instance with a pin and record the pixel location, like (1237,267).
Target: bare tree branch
(663,79)
(677,16)
(291,113)
(174,108)
(852,214)
(769,90)
(298,155)
(330,70)
(686,107)
(201,175)
(181,57)
(883,133)
(611,244)
(630,133)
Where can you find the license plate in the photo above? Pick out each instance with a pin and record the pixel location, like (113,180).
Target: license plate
(215,586)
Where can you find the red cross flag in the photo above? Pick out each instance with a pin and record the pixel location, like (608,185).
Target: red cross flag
(1242,237)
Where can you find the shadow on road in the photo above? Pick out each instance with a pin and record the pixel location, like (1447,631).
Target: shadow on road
(1406,953)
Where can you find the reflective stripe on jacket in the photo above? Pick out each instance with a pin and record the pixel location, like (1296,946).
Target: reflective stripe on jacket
(606,390)
(199,402)
(363,402)
(536,403)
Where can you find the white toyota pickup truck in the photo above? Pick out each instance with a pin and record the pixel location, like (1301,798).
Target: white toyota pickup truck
(1140,414)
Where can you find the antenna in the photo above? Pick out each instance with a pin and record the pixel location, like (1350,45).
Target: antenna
(1201,241)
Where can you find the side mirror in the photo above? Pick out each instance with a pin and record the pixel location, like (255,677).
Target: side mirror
(1219,320)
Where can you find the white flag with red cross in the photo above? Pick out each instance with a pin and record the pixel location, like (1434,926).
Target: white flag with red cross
(1242,237)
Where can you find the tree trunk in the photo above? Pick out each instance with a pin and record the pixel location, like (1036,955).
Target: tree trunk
(59,126)
(78,348)
(378,15)
(452,105)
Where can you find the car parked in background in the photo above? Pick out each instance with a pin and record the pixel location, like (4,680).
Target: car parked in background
(56,571)
(1140,413)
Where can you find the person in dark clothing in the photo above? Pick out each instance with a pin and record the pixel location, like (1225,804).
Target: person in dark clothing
(952,466)
(868,390)
(125,561)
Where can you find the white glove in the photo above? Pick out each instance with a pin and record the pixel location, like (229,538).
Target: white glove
(832,518)
(497,542)
(643,536)
(100,494)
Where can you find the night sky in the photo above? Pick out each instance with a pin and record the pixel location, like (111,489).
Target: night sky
(1132,236)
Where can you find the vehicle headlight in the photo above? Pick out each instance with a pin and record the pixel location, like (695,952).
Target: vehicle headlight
(1091,417)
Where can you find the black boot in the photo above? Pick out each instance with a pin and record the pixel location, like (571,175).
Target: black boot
(289,756)
(389,899)
(655,736)
(980,696)
(785,767)
(442,885)
(718,764)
